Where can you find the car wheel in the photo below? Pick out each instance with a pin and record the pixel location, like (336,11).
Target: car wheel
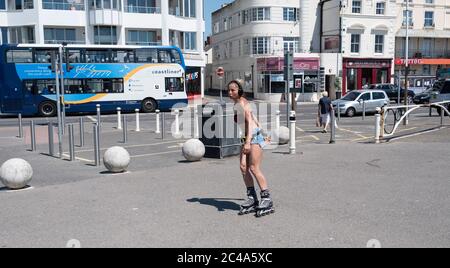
(350,112)
(149,105)
(47,109)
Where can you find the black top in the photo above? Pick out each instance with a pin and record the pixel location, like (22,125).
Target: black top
(325,105)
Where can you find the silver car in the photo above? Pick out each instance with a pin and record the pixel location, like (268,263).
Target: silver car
(354,101)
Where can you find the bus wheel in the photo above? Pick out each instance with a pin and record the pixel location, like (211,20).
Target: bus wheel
(47,109)
(149,105)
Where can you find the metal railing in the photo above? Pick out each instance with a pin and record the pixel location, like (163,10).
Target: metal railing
(62,6)
(419,53)
(393,116)
(64,41)
(145,10)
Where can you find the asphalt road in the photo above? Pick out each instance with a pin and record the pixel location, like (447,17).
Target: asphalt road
(326,195)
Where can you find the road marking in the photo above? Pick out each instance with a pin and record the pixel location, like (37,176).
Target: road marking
(361,139)
(298,128)
(134,146)
(79,158)
(413,135)
(403,130)
(143,155)
(315,137)
(353,132)
(91,118)
(179,145)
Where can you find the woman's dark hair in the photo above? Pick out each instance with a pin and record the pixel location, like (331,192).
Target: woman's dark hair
(240,89)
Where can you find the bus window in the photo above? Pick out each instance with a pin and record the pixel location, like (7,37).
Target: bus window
(97,56)
(19,56)
(164,56)
(43,56)
(176,58)
(174,84)
(74,56)
(123,56)
(146,55)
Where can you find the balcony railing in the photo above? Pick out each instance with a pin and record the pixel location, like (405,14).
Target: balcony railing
(145,10)
(132,43)
(72,42)
(62,6)
(422,53)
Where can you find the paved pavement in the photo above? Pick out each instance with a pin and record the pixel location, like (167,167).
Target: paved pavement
(339,195)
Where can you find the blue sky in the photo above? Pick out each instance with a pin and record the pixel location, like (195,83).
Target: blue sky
(210,7)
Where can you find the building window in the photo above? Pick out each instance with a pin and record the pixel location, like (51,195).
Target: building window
(380,8)
(379,43)
(142,6)
(260,45)
(247,47)
(184,8)
(105,4)
(426,70)
(63,4)
(256,14)
(427,46)
(19,35)
(355,42)
(59,35)
(190,41)
(105,35)
(356,6)
(410,20)
(291,44)
(429,21)
(429,1)
(216,28)
(290,14)
(2,5)
(146,38)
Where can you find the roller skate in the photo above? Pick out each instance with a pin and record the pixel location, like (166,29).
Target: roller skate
(249,206)
(265,206)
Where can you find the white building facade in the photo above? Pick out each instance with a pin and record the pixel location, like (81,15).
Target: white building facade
(429,40)
(368,42)
(249,40)
(111,22)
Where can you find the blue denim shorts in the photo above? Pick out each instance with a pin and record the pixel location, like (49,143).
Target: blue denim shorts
(257,138)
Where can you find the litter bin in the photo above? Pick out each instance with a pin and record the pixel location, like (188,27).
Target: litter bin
(219,132)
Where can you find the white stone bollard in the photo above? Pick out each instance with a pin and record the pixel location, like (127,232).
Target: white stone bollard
(116,159)
(193,150)
(283,135)
(277,121)
(16,173)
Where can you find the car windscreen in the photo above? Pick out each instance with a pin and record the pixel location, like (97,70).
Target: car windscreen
(351,96)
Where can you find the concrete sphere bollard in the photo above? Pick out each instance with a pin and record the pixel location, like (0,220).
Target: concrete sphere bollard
(16,173)
(193,150)
(283,135)
(116,159)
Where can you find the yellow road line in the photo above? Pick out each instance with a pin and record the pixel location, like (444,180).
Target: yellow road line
(357,134)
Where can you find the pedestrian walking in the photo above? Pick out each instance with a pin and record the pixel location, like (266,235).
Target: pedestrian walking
(324,111)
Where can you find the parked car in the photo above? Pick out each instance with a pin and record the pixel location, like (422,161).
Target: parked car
(392,91)
(424,97)
(441,92)
(352,103)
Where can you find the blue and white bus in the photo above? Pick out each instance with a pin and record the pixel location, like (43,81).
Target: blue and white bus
(130,77)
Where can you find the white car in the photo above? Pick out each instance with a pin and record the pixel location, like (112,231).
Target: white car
(353,102)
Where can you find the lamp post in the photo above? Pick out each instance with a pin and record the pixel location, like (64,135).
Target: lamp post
(405,94)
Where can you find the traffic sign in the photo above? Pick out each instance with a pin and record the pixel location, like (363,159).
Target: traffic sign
(220,72)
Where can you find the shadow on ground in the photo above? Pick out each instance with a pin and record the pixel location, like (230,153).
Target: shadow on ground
(221,204)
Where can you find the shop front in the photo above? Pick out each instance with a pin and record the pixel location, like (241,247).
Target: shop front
(358,73)
(271,83)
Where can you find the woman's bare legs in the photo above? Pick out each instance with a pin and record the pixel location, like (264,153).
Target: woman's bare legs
(248,180)
(254,166)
